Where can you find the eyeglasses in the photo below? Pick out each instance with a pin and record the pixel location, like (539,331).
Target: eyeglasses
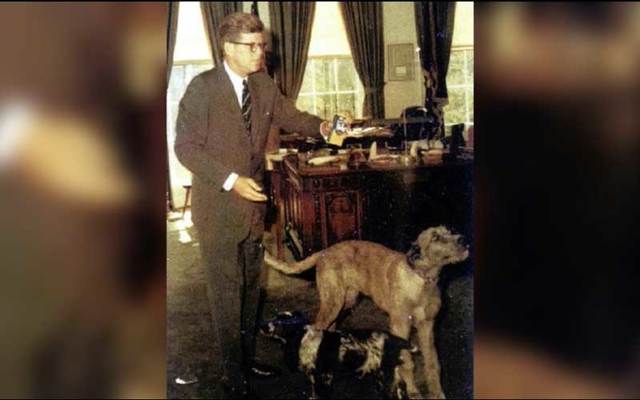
(253,46)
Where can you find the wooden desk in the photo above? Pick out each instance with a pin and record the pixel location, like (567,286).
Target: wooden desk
(389,204)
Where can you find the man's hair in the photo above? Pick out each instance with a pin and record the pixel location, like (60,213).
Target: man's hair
(234,24)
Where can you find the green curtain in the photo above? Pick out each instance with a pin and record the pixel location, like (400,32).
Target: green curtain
(434,25)
(291,24)
(212,14)
(363,23)
(171,35)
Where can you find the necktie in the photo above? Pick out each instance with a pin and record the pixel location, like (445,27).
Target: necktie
(246,106)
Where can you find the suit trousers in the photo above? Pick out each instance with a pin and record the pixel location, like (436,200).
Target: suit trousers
(233,288)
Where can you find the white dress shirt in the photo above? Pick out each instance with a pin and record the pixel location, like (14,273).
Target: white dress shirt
(236,81)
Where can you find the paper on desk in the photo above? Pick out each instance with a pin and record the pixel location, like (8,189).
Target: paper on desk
(380,158)
(321,160)
(360,132)
(373,151)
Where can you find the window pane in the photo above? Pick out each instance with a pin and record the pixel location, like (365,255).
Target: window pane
(346,74)
(326,105)
(455,74)
(171,120)
(308,78)
(198,68)
(346,102)
(181,76)
(454,112)
(470,66)
(305,103)
(470,103)
(176,82)
(325,79)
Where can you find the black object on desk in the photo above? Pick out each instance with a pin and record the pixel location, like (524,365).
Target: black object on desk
(409,130)
(457,140)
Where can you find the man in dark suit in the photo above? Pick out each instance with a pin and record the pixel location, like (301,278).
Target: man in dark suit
(222,128)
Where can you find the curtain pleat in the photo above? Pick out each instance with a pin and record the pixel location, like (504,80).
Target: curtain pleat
(212,14)
(363,23)
(291,24)
(171,35)
(434,25)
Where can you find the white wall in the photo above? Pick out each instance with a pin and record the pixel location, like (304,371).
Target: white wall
(400,27)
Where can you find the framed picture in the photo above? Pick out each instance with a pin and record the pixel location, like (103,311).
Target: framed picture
(401,62)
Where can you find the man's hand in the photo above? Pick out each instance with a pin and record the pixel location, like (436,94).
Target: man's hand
(325,129)
(248,189)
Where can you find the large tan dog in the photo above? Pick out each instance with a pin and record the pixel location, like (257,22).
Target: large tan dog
(403,285)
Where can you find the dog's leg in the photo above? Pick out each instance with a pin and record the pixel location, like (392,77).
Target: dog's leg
(351,298)
(401,327)
(312,380)
(332,299)
(399,387)
(321,385)
(430,355)
(392,386)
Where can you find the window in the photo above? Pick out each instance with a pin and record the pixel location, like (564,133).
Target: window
(331,83)
(329,87)
(460,87)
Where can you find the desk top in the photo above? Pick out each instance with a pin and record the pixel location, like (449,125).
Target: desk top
(342,164)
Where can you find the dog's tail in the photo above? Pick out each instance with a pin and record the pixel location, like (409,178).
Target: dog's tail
(292,268)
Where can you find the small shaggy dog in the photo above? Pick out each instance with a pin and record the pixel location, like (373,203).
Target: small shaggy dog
(323,356)
(403,285)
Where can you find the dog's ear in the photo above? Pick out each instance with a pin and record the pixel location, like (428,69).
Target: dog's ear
(414,252)
(434,233)
(425,238)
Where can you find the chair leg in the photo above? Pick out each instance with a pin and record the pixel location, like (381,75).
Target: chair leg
(186,201)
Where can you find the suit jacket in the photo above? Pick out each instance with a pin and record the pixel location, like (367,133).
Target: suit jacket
(212,141)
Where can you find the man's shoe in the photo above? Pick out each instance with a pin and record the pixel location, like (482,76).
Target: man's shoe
(258,370)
